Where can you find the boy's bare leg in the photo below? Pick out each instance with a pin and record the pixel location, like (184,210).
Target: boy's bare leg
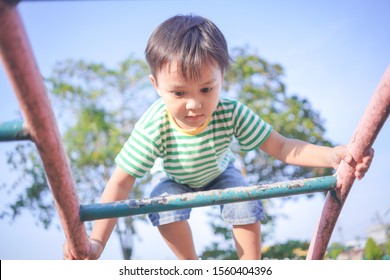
(178,236)
(247,239)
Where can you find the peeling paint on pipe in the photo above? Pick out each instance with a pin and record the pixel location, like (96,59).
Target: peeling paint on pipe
(13,131)
(204,198)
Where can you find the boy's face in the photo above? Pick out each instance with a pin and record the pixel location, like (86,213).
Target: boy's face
(189,102)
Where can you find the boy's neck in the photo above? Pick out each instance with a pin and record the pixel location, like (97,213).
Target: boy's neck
(192,131)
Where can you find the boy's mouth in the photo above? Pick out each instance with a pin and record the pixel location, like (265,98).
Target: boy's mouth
(194,118)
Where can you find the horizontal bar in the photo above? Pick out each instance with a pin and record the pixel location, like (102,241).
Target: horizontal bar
(132,207)
(13,131)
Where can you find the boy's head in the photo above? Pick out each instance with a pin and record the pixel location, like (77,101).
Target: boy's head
(189,42)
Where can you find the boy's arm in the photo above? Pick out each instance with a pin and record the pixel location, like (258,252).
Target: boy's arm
(297,152)
(117,188)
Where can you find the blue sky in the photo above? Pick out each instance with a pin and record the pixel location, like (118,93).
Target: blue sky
(334,53)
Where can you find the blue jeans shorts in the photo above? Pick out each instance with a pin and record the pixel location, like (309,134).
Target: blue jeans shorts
(238,213)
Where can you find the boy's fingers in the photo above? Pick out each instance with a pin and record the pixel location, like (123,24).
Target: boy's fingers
(67,254)
(369,155)
(362,166)
(348,158)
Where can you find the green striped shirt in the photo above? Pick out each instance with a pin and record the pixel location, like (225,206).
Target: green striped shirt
(194,160)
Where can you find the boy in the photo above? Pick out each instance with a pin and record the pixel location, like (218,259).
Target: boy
(191,128)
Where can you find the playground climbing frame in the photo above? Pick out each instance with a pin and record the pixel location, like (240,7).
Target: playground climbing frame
(40,126)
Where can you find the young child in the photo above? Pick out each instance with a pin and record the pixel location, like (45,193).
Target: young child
(191,128)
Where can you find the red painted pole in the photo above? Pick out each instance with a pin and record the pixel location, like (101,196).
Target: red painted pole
(363,138)
(23,72)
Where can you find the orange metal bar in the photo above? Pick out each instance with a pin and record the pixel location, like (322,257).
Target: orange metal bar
(21,67)
(363,138)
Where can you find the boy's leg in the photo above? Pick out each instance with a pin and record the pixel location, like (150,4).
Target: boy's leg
(173,225)
(178,237)
(244,216)
(247,239)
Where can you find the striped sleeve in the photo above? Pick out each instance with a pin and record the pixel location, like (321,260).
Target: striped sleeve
(142,148)
(250,130)
(138,154)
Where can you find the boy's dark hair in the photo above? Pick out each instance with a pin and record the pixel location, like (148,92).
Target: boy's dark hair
(190,41)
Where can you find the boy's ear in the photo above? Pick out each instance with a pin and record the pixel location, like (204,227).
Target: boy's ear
(154,82)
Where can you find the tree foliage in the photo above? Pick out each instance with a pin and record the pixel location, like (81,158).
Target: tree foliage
(334,250)
(259,84)
(372,251)
(291,249)
(30,190)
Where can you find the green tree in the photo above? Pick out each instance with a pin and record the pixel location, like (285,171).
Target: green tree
(334,250)
(387,250)
(29,191)
(372,251)
(259,84)
(292,249)
(386,246)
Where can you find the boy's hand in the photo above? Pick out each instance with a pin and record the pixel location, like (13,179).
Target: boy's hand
(96,249)
(340,153)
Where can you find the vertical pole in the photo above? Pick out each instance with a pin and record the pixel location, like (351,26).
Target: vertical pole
(364,136)
(21,67)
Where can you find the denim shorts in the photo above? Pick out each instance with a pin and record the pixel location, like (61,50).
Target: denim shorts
(238,213)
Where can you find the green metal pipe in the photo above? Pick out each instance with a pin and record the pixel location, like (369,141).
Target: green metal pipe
(204,198)
(13,131)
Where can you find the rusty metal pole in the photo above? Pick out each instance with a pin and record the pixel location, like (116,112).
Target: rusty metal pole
(27,82)
(363,138)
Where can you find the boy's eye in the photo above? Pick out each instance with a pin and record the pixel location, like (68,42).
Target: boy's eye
(178,93)
(206,89)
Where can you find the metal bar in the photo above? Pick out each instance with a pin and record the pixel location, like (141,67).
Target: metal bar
(20,65)
(13,131)
(204,198)
(363,138)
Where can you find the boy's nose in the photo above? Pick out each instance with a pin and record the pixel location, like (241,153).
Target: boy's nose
(193,104)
